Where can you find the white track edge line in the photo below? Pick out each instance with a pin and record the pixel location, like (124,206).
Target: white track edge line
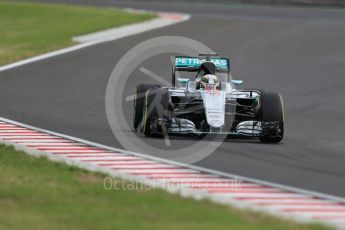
(198,168)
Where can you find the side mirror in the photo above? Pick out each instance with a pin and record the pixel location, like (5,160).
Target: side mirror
(183,80)
(237,82)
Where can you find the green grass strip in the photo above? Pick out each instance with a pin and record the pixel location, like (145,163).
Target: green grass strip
(28,29)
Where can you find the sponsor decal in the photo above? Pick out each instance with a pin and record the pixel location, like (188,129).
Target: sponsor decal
(213,92)
(215,114)
(196,62)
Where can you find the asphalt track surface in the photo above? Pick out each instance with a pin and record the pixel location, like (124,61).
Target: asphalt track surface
(297,52)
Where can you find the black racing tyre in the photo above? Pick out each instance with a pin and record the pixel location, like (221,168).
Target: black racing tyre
(156,106)
(271,110)
(139,100)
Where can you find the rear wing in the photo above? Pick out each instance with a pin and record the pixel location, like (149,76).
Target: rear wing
(192,64)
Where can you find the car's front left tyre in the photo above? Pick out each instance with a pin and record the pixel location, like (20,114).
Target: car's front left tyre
(139,101)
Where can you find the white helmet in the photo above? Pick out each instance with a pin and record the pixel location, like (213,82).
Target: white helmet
(209,79)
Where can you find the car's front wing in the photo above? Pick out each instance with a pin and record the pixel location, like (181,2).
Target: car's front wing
(178,126)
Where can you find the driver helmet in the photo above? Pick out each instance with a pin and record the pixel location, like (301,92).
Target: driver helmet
(209,80)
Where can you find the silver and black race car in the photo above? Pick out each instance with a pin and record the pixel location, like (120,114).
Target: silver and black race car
(203,100)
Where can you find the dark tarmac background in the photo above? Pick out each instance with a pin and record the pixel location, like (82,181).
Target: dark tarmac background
(295,51)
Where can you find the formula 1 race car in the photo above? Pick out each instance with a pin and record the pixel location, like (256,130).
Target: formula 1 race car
(203,100)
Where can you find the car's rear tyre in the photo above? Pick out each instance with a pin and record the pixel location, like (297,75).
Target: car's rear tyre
(156,106)
(139,101)
(272,110)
